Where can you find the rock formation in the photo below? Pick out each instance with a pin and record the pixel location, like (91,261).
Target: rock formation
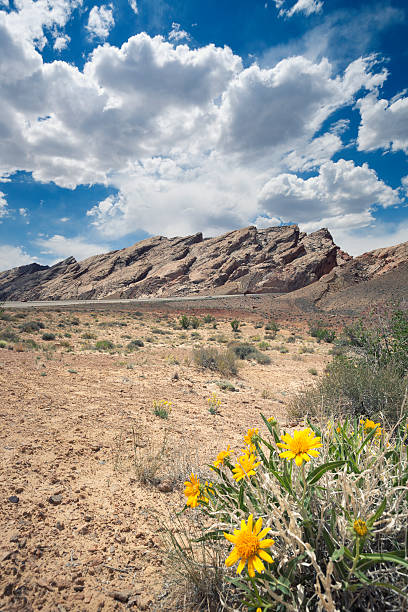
(273,260)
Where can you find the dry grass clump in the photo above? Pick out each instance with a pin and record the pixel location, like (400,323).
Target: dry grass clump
(223,361)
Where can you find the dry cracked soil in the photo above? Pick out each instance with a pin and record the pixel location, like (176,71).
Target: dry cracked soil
(90,475)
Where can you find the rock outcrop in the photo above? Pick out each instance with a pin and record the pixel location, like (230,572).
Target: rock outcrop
(273,260)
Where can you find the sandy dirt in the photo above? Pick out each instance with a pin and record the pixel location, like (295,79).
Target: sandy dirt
(79,528)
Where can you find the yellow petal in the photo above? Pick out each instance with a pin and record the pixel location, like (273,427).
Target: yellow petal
(287,455)
(230,538)
(251,570)
(264,532)
(266,543)
(298,459)
(258,565)
(250,520)
(232,558)
(265,556)
(258,526)
(241,566)
(305,456)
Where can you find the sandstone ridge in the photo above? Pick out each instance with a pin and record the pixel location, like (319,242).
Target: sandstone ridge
(249,260)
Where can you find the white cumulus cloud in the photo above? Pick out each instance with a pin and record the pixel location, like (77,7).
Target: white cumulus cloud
(384,124)
(13,256)
(61,247)
(307,7)
(100,22)
(3,205)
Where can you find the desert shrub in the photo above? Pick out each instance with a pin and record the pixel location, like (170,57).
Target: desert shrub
(213,359)
(9,335)
(243,350)
(327,534)
(264,346)
(354,386)
(316,330)
(291,340)
(3,344)
(225,385)
(195,322)
(235,325)
(272,326)
(383,337)
(306,349)
(135,344)
(195,336)
(312,371)
(48,336)
(30,343)
(4,316)
(283,349)
(31,326)
(184,321)
(208,318)
(89,336)
(258,325)
(104,345)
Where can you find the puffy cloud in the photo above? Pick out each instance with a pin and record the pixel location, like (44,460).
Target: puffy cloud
(342,193)
(263,109)
(384,124)
(23,212)
(61,42)
(100,22)
(176,33)
(13,256)
(377,236)
(187,136)
(61,247)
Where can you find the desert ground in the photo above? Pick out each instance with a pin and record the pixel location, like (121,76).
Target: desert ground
(90,475)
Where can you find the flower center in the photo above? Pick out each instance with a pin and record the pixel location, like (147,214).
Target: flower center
(247,545)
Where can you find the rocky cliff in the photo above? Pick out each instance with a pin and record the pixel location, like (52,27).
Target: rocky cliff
(273,260)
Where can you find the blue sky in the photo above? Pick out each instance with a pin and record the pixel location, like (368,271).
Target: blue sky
(133,118)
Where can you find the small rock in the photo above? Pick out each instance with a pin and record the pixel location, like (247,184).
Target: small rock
(121,596)
(55,500)
(88,518)
(59,525)
(165,486)
(14,499)
(84,530)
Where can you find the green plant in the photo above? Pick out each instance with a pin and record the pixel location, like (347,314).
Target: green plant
(214,404)
(225,385)
(195,322)
(48,336)
(208,318)
(306,349)
(334,496)
(162,408)
(3,344)
(312,371)
(104,345)
(134,344)
(264,346)
(31,326)
(235,325)
(9,335)
(89,336)
(316,330)
(184,321)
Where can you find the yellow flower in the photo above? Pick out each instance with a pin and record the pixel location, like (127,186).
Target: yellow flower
(245,467)
(368,424)
(250,434)
(249,546)
(222,456)
(272,420)
(192,491)
(301,447)
(360,527)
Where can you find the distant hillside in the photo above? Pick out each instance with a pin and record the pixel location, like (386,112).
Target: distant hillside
(277,260)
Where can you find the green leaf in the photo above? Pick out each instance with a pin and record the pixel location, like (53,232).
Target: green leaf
(368,559)
(378,513)
(318,472)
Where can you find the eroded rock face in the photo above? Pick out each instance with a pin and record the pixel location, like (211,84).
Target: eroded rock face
(277,260)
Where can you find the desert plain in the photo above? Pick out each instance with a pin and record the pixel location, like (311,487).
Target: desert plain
(90,475)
